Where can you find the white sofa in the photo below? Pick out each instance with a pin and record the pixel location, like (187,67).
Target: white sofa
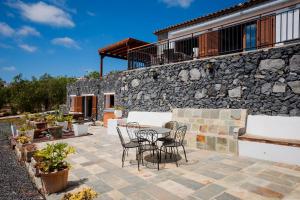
(273,138)
(146,119)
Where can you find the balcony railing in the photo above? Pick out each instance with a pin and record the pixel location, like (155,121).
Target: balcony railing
(257,32)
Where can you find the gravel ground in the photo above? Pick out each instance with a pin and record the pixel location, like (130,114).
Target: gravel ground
(15,183)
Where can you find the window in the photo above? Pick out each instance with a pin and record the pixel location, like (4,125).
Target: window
(109,101)
(231,39)
(250,34)
(287,26)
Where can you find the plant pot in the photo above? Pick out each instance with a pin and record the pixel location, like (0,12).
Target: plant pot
(56,131)
(80,129)
(41,125)
(118,113)
(30,133)
(55,181)
(29,151)
(63,124)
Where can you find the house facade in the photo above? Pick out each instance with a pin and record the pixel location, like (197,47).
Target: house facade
(256,75)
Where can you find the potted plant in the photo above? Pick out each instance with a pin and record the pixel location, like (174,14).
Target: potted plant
(26,130)
(83,194)
(69,119)
(61,121)
(52,166)
(29,151)
(22,141)
(54,130)
(118,111)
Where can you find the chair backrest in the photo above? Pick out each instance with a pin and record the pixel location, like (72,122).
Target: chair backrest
(173,125)
(180,134)
(121,137)
(132,128)
(148,135)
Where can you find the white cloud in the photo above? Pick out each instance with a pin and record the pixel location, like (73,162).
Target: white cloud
(28,48)
(180,3)
(90,13)
(9,68)
(6,30)
(66,42)
(28,31)
(43,13)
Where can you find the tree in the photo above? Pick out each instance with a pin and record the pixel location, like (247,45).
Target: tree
(2,83)
(92,75)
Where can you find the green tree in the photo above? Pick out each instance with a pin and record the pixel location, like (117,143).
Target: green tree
(92,75)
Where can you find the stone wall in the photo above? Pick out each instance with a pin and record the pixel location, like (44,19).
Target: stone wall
(212,129)
(264,82)
(97,87)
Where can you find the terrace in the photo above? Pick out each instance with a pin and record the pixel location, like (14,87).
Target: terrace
(207,175)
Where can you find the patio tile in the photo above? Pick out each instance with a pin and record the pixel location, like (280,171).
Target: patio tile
(94,169)
(176,188)
(99,186)
(188,183)
(160,193)
(226,196)
(212,174)
(209,191)
(80,159)
(263,191)
(141,195)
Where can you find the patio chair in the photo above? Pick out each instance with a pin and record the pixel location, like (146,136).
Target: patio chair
(173,125)
(126,146)
(147,140)
(178,142)
(132,128)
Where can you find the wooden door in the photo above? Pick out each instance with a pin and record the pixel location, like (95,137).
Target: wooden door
(94,105)
(266,32)
(209,44)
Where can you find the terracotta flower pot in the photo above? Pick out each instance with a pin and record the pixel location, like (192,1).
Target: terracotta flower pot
(55,181)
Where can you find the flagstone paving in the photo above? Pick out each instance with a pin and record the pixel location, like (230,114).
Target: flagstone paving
(207,175)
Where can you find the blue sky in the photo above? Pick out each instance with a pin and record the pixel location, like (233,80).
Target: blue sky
(61,37)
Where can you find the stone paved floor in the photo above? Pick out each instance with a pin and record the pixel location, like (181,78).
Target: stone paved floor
(207,175)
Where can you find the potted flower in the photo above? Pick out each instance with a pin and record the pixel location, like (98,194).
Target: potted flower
(54,130)
(61,121)
(26,130)
(83,194)
(118,111)
(52,166)
(22,141)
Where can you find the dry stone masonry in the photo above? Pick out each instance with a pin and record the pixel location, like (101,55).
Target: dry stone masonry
(264,82)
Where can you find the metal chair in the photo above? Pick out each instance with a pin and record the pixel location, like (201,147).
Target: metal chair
(132,128)
(173,125)
(147,140)
(178,142)
(126,146)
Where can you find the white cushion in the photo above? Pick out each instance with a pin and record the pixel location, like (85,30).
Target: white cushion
(274,126)
(158,119)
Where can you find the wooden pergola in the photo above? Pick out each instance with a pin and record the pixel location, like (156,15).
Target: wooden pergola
(118,50)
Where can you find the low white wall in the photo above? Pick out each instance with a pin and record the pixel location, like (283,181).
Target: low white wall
(150,118)
(271,152)
(274,126)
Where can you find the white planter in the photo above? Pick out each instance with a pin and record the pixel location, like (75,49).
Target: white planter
(30,134)
(80,129)
(118,113)
(63,124)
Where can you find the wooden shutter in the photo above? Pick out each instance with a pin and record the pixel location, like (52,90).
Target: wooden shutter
(209,44)
(266,32)
(78,104)
(94,105)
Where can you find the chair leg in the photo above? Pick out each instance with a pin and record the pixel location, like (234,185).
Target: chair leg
(177,156)
(184,153)
(123,157)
